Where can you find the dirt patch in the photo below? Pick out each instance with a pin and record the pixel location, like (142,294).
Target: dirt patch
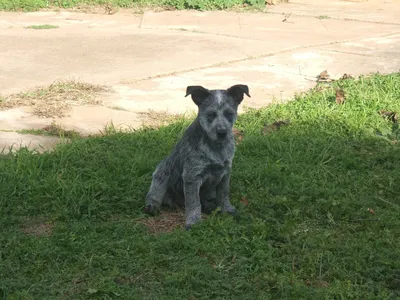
(56,130)
(111,9)
(238,134)
(36,227)
(167,221)
(106,8)
(56,100)
(267,129)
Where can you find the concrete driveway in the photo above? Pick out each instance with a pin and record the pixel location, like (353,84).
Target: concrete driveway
(149,59)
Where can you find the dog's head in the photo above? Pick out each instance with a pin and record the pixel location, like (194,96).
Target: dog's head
(217,109)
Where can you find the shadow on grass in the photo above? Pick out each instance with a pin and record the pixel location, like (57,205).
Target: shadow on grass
(321,218)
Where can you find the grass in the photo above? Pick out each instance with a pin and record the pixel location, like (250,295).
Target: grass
(322,17)
(318,199)
(56,99)
(111,6)
(43,26)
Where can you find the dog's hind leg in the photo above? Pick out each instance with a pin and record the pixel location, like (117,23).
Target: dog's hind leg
(158,189)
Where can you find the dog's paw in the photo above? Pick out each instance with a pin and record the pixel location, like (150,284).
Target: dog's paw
(151,210)
(208,207)
(233,212)
(236,215)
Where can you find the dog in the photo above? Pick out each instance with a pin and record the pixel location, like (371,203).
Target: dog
(196,174)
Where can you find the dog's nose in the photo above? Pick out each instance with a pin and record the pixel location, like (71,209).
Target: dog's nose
(221,132)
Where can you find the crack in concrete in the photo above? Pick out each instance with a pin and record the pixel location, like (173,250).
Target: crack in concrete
(248,58)
(354,53)
(141,21)
(240,24)
(337,18)
(211,33)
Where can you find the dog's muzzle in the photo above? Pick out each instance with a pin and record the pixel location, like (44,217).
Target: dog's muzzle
(221,133)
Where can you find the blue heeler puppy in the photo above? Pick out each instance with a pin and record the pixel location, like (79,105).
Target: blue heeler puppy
(197,172)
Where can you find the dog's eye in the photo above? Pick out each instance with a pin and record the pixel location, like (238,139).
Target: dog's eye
(211,115)
(228,115)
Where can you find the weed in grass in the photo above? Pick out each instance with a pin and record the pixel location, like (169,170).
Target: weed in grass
(52,130)
(44,26)
(319,210)
(118,108)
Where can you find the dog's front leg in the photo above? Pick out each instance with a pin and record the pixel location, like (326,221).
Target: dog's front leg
(192,201)
(223,195)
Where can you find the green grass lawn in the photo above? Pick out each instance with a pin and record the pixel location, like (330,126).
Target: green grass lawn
(319,203)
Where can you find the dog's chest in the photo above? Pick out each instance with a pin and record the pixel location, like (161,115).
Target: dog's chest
(215,171)
(216,164)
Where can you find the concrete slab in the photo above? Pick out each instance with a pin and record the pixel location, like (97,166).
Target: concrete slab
(273,78)
(14,141)
(92,55)
(296,31)
(21,118)
(375,11)
(377,47)
(94,119)
(86,120)
(113,49)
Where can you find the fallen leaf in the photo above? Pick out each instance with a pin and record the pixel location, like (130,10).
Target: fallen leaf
(244,201)
(238,134)
(346,76)
(371,210)
(340,96)
(324,77)
(391,115)
(275,126)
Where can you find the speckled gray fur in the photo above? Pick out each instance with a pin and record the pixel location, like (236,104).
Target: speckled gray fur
(196,174)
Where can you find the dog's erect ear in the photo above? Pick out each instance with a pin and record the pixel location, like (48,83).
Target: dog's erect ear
(237,92)
(199,93)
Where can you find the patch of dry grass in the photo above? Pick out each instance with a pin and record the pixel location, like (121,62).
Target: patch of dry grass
(56,99)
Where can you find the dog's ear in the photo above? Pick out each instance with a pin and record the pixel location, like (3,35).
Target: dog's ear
(237,92)
(199,93)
